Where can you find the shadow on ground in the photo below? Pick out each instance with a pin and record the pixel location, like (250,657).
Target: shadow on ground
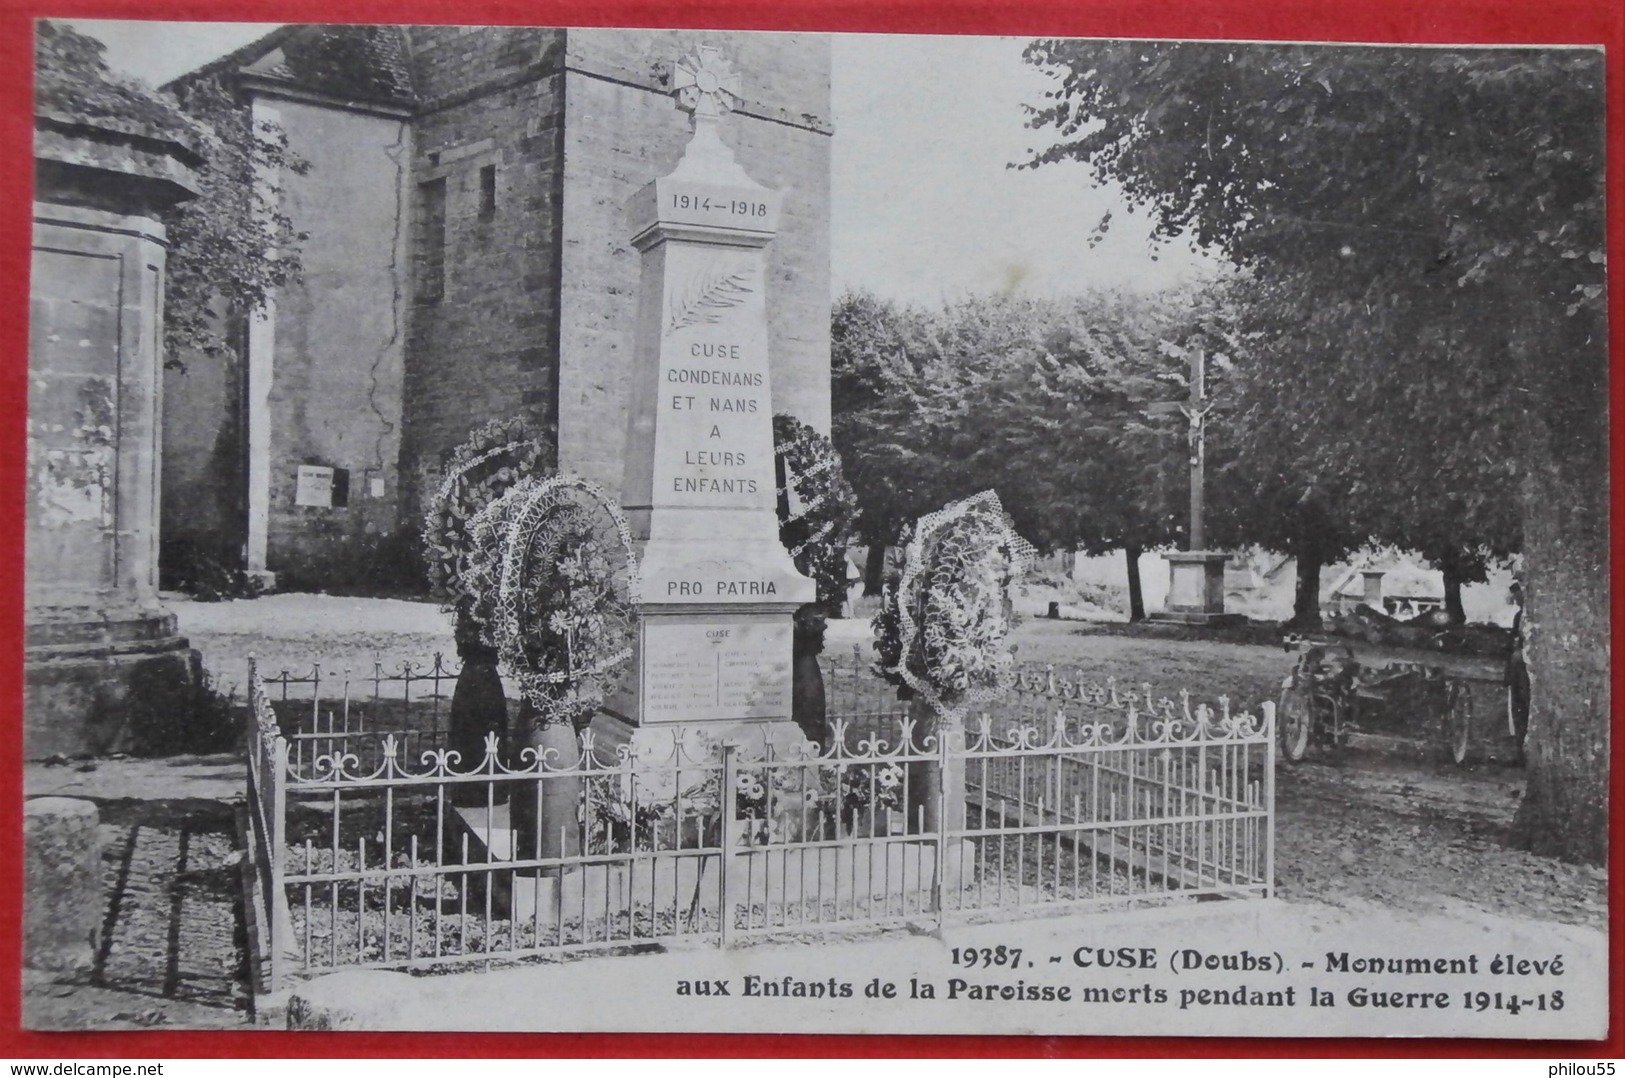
(172,950)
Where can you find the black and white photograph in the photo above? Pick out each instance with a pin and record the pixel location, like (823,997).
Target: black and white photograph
(548,529)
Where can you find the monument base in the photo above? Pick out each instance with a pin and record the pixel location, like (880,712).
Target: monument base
(109,685)
(1196,589)
(655,745)
(708,664)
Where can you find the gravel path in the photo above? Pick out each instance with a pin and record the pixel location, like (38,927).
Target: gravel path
(293,632)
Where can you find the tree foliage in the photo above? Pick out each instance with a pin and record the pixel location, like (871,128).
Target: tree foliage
(233,245)
(817,507)
(1043,401)
(1424,232)
(1402,213)
(881,367)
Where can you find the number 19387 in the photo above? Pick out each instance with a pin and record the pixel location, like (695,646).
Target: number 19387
(987,957)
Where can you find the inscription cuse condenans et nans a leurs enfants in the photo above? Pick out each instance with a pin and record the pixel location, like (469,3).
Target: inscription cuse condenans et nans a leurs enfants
(719,407)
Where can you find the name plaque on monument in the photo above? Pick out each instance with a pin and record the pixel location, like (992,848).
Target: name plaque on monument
(702,669)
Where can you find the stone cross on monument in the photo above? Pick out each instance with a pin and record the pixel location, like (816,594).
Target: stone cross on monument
(1195,575)
(705,85)
(713,639)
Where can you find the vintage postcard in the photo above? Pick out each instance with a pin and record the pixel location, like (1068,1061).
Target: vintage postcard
(548,529)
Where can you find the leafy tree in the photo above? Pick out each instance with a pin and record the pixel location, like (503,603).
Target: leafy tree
(1067,441)
(1039,400)
(887,373)
(232,246)
(868,358)
(1266,482)
(815,524)
(1428,225)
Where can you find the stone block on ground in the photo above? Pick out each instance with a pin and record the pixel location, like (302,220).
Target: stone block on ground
(62,904)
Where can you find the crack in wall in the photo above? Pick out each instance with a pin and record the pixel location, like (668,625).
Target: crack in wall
(396,154)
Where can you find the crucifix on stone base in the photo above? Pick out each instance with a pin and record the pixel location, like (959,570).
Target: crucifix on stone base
(1195,575)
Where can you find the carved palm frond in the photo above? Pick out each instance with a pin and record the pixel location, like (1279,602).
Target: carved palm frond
(714,289)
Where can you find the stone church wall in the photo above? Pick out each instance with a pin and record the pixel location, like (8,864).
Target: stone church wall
(339,344)
(484,344)
(622,129)
(333,353)
(204,504)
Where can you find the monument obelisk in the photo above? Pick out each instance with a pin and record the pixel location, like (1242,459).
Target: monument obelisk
(717,590)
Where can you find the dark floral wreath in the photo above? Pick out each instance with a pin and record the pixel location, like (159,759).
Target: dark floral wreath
(556,578)
(494,459)
(888,626)
(817,506)
(943,621)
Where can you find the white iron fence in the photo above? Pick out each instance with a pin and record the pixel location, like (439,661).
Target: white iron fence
(376,845)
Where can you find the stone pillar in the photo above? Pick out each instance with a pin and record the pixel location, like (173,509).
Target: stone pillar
(62,886)
(1373,587)
(714,637)
(1196,589)
(100,649)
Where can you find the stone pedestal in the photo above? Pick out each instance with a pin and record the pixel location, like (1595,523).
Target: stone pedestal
(62,886)
(1372,581)
(1196,589)
(714,637)
(99,647)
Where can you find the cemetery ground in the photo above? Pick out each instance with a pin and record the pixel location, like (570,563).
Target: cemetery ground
(1386,826)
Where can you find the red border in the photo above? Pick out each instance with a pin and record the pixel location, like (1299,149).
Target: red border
(1423,21)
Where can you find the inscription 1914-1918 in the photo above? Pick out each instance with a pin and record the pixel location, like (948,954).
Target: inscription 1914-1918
(739,207)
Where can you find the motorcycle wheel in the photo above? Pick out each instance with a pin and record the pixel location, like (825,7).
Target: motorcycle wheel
(1458,721)
(1295,719)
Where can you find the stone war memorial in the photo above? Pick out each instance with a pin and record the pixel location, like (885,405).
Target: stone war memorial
(709,623)
(714,625)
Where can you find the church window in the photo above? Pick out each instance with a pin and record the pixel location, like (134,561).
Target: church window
(431,241)
(488,192)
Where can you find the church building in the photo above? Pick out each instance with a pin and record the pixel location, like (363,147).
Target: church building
(467,256)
